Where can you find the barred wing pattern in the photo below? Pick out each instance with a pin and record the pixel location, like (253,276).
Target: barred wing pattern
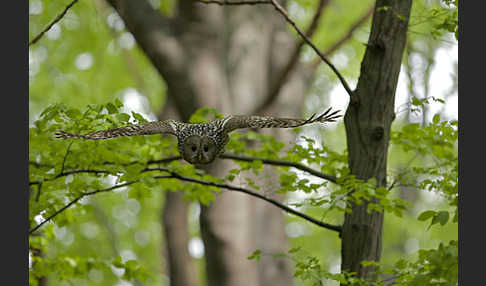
(234,122)
(167,126)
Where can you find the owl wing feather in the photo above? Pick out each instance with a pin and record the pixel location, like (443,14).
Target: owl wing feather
(166,126)
(234,122)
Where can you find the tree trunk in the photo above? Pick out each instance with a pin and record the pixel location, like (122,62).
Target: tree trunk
(182,269)
(223,57)
(368,120)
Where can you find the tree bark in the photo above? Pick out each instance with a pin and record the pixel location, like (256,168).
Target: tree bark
(368,121)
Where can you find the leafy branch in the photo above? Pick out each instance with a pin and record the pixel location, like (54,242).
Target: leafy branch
(299,166)
(174,175)
(225,156)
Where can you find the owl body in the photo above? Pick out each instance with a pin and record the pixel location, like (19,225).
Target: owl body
(202,143)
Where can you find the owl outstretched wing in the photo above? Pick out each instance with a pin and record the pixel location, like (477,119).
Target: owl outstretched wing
(166,126)
(234,122)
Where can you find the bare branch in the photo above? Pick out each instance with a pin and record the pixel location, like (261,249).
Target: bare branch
(284,13)
(306,39)
(57,19)
(347,36)
(293,60)
(281,163)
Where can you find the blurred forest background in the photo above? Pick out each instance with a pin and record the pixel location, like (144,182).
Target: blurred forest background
(89,72)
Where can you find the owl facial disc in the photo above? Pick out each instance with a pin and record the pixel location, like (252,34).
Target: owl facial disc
(199,150)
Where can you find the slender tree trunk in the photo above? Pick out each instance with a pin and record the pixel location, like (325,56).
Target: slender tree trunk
(182,270)
(368,120)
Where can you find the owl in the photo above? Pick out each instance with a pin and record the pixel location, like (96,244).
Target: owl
(202,143)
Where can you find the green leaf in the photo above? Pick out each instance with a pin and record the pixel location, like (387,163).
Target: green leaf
(443,217)
(295,249)
(118,103)
(436,118)
(73,113)
(138,117)
(426,215)
(117,262)
(255,255)
(123,117)
(111,108)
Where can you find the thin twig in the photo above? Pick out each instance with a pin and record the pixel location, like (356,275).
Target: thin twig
(77,199)
(57,19)
(65,157)
(77,171)
(299,166)
(39,188)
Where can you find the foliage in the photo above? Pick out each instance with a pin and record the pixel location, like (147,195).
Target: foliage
(90,239)
(63,172)
(55,180)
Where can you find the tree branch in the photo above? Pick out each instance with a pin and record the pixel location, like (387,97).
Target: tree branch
(260,196)
(293,60)
(77,171)
(173,175)
(225,156)
(76,200)
(57,19)
(284,13)
(306,39)
(281,163)
(347,36)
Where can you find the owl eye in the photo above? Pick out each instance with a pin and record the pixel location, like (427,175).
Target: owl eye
(206,148)
(193,148)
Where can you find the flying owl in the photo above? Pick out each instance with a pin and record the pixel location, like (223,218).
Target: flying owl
(202,143)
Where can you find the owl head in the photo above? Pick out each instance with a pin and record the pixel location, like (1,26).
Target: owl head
(199,149)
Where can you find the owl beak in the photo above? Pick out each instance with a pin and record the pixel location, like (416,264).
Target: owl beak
(199,156)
